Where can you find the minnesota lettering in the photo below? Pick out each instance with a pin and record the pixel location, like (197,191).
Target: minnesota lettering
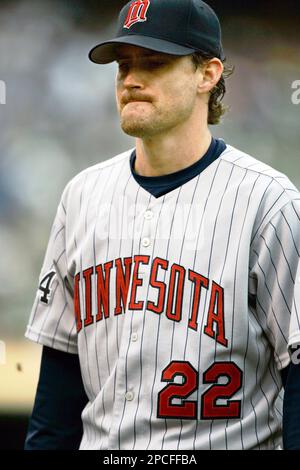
(126,274)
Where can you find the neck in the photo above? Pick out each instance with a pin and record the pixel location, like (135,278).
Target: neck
(173,151)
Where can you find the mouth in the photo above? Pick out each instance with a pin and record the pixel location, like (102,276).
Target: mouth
(127,99)
(134,104)
(136,101)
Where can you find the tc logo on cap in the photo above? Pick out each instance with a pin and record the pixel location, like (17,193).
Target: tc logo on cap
(137,13)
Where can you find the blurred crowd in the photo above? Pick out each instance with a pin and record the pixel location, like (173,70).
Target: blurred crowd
(60,117)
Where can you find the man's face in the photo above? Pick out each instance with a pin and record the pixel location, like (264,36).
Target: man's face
(155,92)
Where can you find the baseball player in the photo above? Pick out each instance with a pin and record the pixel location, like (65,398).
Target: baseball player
(168,302)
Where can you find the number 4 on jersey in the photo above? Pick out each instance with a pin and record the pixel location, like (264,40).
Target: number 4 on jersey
(45,287)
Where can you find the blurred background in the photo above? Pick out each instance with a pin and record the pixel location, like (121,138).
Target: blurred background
(58,116)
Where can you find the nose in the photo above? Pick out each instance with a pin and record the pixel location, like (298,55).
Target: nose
(131,77)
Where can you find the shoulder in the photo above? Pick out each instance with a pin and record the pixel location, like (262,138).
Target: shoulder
(275,183)
(96,174)
(249,163)
(271,192)
(106,166)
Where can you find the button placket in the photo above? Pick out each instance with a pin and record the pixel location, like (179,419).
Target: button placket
(129,395)
(134,337)
(146,242)
(146,239)
(148,215)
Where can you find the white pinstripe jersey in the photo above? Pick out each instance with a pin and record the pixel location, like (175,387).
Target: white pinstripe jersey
(180,307)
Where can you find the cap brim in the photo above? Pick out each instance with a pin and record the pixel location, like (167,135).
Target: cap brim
(106,52)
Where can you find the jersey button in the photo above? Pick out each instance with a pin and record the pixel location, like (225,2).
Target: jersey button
(134,337)
(148,215)
(146,242)
(129,396)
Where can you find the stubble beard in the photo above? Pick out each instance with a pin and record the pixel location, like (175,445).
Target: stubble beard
(158,121)
(141,123)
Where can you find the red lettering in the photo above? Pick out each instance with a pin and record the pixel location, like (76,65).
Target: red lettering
(136,281)
(216,300)
(199,282)
(179,273)
(137,12)
(88,296)
(160,285)
(122,283)
(103,290)
(77,303)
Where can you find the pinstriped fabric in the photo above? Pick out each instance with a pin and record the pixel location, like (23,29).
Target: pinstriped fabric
(209,272)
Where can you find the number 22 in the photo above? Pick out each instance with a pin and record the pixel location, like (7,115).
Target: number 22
(209,407)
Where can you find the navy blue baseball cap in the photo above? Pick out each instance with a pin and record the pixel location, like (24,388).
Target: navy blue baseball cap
(179,27)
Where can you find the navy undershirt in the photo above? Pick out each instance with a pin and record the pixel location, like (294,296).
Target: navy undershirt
(161,185)
(55,423)
(60,398)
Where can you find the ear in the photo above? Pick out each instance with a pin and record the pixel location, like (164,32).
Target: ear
(211,72)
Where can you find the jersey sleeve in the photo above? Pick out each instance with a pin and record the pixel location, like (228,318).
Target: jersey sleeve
(52,319)
(274,280)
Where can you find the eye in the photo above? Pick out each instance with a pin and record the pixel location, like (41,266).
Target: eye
(122,65)
(155,63)
(146,64)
